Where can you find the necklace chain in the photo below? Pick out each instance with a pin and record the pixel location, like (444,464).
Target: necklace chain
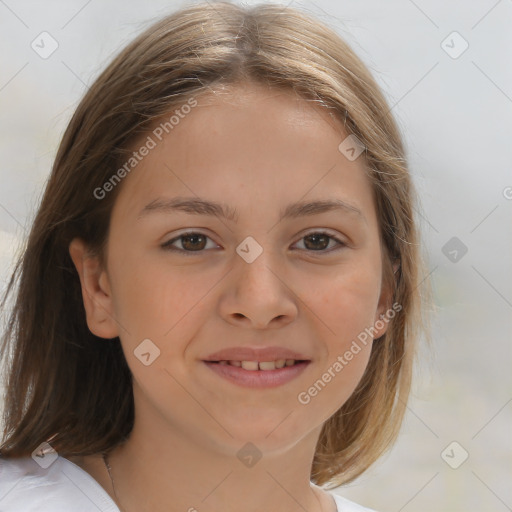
(109,469)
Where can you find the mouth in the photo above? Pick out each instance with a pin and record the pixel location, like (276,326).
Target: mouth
(258,374)
(261,365)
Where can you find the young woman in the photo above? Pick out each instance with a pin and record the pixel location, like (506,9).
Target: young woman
(219,301)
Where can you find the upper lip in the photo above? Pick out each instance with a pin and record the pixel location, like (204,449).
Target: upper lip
(255,354)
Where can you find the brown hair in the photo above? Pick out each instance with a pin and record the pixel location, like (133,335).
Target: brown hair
(69,385)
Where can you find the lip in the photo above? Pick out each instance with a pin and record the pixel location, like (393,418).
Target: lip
(259,354)
(257,378)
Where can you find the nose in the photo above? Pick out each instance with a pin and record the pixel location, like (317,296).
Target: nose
(258,294)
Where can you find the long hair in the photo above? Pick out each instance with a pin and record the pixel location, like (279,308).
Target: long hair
(70,386)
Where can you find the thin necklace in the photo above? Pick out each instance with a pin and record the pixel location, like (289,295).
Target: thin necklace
(107,465)
(109,469)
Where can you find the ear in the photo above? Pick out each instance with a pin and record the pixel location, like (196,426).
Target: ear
(96,291)
(381,321)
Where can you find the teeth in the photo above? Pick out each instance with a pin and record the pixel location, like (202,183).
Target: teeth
(250,365)
(262,365)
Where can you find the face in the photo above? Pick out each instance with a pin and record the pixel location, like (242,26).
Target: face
(269,274)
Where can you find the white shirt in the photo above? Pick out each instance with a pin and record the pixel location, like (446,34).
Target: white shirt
(25,486)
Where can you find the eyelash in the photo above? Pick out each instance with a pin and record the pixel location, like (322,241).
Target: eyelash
(168,247)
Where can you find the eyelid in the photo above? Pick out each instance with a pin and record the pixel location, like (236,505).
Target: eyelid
(320,231)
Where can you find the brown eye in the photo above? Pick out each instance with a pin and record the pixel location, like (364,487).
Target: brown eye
(191,242)
(319,241)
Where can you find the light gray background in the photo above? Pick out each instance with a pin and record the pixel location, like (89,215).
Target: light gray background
(456,117)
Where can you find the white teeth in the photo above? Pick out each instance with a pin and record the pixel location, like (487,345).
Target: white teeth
(262,365)
(249,365)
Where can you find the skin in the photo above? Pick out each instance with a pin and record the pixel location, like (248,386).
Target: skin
(256,150)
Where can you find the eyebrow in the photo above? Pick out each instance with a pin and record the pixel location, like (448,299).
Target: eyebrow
(198,206)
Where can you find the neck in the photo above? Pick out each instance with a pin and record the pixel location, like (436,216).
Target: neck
(172,471)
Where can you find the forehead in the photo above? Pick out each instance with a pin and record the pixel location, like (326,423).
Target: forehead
(245,147)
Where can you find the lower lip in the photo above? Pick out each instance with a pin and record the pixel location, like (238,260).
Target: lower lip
(258,378)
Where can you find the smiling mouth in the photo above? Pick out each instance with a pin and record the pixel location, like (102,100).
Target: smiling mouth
(261,365)
(259,374)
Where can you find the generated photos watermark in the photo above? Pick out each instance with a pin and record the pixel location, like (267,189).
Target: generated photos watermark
(157,135)
(304,397)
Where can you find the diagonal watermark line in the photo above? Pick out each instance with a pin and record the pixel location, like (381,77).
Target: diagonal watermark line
(108,313)
(198,402)
(12,216)
(487,281)
(491,419)
(78,487)
(170,170)
(410,410)
(307,192)
(285,490)
(198,302)
(492,211)
(426,220)
(492,81)
(75,74)
(185,185)
(216,487)
(14,76)
(330,16)
(424,13)
(279,424)
(13,13)
(75,15)
(426,277)
(11,489)
(301,300)
(283,9)
(508,508)
(218,12)
(499,1)
(403,506)
(413,87)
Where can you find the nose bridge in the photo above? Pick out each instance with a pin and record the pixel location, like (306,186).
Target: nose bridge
(260,282)
(260,293)
(257,261)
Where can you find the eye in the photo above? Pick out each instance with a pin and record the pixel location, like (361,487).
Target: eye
(191,242)
(316,241)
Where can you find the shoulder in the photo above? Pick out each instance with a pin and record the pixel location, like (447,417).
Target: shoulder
(49,486)
(345,505)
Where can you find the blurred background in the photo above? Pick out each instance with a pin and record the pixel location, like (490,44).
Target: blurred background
(446,70)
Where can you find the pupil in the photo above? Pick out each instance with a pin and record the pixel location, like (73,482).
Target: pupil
(318,237)
(193,237)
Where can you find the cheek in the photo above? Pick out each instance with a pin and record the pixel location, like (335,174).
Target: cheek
(335,383)
(159,301)
(347,308)
(347,302)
